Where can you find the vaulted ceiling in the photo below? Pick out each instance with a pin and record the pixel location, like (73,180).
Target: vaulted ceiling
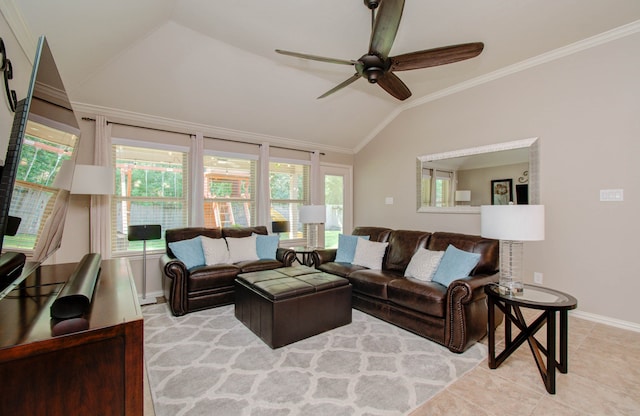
(211,64)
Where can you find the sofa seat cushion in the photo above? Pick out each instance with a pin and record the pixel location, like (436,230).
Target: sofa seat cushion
(210,277)
(372,282)
(257,265)
(340,269)
(424,297)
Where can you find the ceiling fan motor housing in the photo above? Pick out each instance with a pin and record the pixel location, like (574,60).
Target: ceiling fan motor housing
(374,67)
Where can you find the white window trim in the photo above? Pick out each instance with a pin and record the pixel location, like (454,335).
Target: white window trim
(151,145)
(231,155)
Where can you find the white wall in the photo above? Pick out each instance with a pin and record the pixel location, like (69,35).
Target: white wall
(585,109)
(21,65)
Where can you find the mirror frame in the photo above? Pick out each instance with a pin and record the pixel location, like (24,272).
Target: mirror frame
(534,172)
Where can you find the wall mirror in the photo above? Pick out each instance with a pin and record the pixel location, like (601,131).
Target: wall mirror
(461,181)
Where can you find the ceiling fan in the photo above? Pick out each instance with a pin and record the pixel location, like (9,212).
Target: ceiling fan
(378,67)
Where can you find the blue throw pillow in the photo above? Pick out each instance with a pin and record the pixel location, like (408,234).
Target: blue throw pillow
(347,247)
(189,252)
(455,264)
(267,245)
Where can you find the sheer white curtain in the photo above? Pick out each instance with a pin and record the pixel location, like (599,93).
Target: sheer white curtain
(264,198)
(196,181)
(316,180)
(101,204)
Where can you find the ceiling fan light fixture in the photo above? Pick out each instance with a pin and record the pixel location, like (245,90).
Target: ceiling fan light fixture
(374,74)
(372,4)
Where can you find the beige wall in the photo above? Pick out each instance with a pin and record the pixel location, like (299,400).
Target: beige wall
(21,65)
(585,109)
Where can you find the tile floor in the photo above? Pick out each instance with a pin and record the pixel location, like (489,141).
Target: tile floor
(603,379)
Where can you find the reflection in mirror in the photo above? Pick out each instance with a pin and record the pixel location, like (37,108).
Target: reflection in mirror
(461,181)
(45,165)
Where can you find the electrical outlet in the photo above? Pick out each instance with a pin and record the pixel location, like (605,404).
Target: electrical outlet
(537,278)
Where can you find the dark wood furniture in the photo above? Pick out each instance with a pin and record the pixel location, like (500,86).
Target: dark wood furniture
(97,371)
(286,305)
(550,302)
(306,255)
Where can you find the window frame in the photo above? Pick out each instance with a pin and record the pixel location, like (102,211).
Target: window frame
(305,200)
(116,199)
(253,185)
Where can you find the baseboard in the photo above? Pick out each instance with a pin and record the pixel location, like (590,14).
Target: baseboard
(618,323)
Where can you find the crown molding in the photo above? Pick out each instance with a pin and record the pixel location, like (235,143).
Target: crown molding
(602,38)
(19,28)
(207,130)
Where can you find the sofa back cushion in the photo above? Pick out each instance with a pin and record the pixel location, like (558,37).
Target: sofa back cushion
(239,232)
(379,234)
(488,249)
(402,246)
(179,234)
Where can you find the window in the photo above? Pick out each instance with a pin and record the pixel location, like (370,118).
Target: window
(289,189)
(44,150)
(229,191)
(436,187)
(151,188)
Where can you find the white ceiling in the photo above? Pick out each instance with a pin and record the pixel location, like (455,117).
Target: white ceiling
(212,63)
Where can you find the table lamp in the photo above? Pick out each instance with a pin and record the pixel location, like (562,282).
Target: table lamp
(92,180)
(512,225)
(144,233)
(462,197)
(312,215)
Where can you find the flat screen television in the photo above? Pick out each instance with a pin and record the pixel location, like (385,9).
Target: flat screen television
(36,177)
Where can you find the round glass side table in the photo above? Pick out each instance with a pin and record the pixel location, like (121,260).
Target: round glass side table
(550,302)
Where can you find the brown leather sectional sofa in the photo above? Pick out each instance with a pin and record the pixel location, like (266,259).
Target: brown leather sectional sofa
(208,286)
(455,317)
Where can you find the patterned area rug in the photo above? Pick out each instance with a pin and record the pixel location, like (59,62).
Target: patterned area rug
(209,363)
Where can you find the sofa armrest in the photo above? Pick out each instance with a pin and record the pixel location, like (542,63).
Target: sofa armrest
(325,255)
(176,270)
(467,314)
(286,256)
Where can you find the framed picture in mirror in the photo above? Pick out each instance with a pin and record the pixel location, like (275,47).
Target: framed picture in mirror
(501,191)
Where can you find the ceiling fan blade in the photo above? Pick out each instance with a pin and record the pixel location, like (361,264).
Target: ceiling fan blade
(434,57)
(341,85)
(385,27)
(317,58)
(394,86)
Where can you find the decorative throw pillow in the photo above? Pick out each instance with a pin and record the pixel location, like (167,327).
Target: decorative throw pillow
(266,246)
(215,251)
(369,254)
(424,264)
(455,264)
(242,249)
(189,252)
(347,247)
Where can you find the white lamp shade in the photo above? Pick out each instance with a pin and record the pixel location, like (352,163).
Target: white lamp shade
(92,180)
(313,214)
(64,177)
(512,222)
(463,196)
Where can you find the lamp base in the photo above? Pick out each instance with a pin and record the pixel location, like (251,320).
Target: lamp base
(510,287)
(511,253)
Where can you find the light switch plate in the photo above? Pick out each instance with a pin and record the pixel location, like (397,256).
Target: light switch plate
(612,195)
(388,200)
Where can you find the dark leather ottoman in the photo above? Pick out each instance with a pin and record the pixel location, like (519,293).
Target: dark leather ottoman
(285,305)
